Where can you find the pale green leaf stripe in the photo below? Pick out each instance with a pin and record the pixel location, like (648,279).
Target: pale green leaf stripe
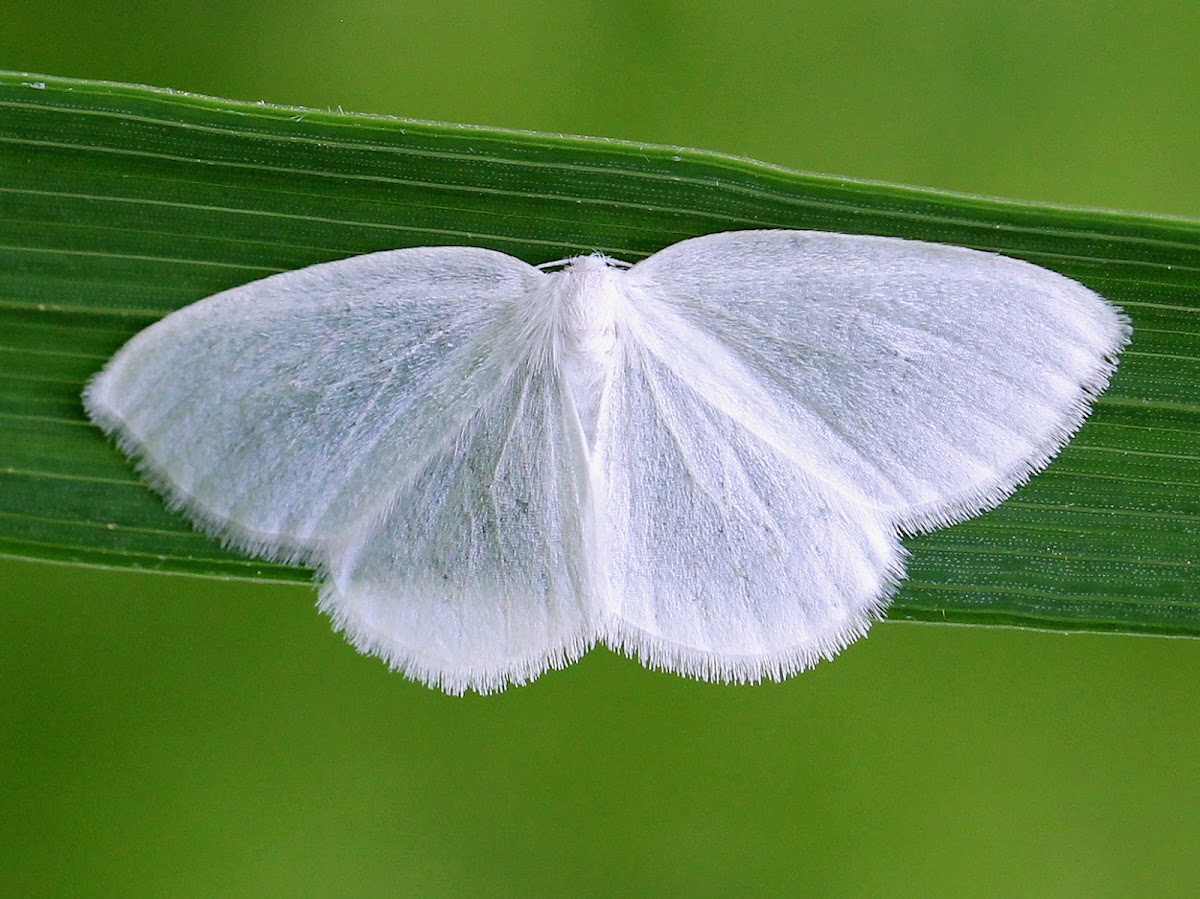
(119,204)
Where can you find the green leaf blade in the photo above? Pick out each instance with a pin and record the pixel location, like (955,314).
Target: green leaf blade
(119,204)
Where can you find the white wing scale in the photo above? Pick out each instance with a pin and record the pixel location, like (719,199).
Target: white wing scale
(727,561)
(931,380)
(477,575)
(275,412)
(375,417)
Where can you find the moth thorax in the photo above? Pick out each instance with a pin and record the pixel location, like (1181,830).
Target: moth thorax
(588,301)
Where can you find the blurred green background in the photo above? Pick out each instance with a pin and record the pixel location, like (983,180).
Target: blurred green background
(165,736)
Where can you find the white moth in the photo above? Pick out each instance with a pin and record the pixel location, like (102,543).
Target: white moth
(704,460)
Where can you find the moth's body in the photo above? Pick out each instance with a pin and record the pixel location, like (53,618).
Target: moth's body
(584,302)
(704,460)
